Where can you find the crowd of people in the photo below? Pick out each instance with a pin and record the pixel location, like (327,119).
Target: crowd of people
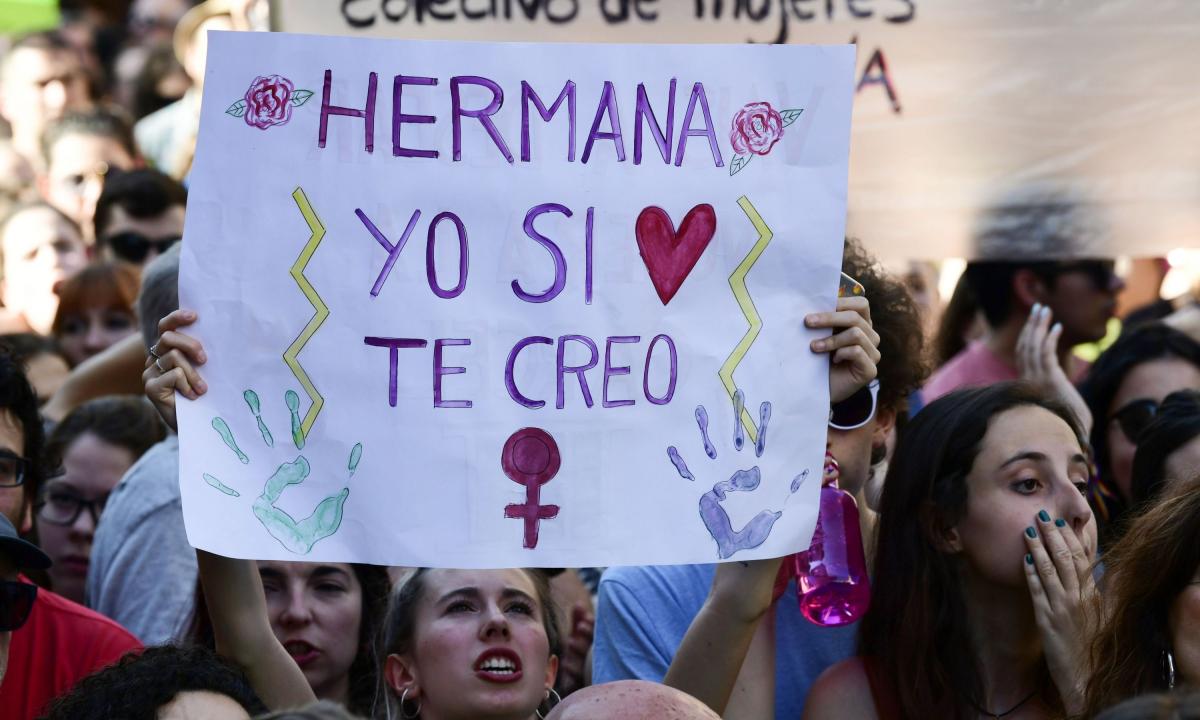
(1031,519)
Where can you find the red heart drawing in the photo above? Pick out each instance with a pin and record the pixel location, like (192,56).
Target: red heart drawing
(670,255)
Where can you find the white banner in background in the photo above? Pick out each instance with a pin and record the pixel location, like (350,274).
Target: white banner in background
(960,104)
(492,305)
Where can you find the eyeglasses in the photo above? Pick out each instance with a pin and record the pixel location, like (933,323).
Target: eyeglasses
(59,506)
(16,602)
(13,469)
(856,410)
(134,246)
(1135,416)
(1100,272)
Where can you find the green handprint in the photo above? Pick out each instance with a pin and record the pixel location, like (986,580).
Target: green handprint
(297,536)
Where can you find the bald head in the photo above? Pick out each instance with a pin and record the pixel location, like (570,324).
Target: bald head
(631,700)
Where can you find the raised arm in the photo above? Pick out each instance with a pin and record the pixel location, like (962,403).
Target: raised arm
(712,653)
(233,590)
(238,609)
(113,371)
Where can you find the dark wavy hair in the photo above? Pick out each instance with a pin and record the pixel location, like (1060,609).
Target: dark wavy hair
(917,627)
(1145,571)
(1154,341)
(1176,424)
(140,684)
(894,315)
(398,634)
(18,399)
(127,421)
(363,673)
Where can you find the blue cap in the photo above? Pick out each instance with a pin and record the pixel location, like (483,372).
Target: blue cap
(23,554)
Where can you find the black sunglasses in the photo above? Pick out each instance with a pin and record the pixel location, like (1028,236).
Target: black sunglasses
(1100,272)
(12,469)
(856,410)
(1134,416)
(16,602)
(134,246)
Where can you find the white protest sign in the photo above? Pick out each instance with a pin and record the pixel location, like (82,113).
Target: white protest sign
(491,305)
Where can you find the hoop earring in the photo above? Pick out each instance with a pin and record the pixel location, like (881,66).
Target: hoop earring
(557,700)
(404,713)
(1169,668)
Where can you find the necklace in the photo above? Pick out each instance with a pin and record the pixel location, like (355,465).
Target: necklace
(1006,713)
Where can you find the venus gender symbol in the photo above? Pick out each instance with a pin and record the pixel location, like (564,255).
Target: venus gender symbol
(530,458)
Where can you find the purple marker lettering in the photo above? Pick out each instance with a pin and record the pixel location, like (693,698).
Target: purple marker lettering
(439,370)
(579,370)
(392,250)
(393,345)
(484,116)
(610,369)
(587,258)
(644,110)
(431,266)
(529,95)
(607,106)
(367,114)
(560,263)
(399,118)
(511,383)
(674,371)
(708,131)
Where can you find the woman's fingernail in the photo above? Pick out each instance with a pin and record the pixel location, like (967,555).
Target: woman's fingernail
(1057,327)
(1028,559)
(819,345)
(1031,532)
(1037,307)
(1043,516)
(1060,523)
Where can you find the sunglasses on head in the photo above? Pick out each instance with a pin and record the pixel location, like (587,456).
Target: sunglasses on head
(856,410)
(16,601)
(134,246)
(1134,416)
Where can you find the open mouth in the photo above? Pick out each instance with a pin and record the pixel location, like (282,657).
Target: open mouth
(498,665)
(303,653)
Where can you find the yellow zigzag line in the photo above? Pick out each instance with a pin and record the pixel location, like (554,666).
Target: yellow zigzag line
(317,231)
(737,281)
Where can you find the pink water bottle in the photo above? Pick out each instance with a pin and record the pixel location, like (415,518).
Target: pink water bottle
(831,576)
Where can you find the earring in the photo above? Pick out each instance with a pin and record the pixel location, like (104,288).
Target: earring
(404,713)
(1169,668)
(557,700)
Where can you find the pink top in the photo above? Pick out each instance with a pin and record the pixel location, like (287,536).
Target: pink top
(974,366)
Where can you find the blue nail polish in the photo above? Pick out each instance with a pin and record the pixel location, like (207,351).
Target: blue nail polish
(1060,523)
(1043,516)
(1028,559)
(1031,532)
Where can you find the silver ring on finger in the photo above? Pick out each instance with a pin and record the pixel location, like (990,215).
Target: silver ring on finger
(154,352)
(158,364)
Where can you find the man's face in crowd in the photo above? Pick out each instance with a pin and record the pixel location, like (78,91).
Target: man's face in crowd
(75,173)
(1084,300)
(852,449)
(40,250)
(37,87)
(165,226)
(12,499)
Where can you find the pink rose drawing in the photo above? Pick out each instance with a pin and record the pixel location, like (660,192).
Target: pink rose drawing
(756,129)
(268,101)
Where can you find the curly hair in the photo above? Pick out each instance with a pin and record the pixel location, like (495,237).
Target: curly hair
(137,686)
(894,315)
(1146,570)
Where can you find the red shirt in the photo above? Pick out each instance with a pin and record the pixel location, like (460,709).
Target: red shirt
(61,643)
